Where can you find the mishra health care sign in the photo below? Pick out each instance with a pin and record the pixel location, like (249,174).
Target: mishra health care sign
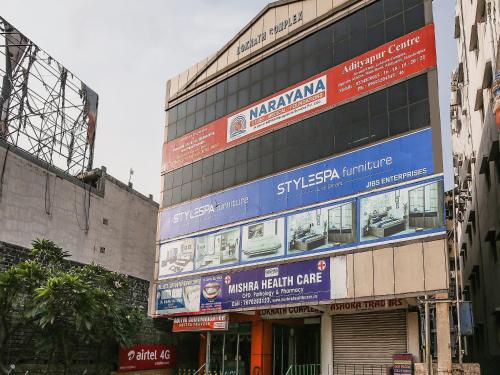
(394,61)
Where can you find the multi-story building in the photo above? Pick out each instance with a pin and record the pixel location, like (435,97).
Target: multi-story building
(475,137)
(301,222)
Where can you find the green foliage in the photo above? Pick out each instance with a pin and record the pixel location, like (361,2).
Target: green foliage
(67,306)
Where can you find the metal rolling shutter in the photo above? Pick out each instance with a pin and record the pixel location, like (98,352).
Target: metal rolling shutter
(368,339)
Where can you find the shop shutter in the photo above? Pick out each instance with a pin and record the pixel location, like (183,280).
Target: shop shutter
(365,343)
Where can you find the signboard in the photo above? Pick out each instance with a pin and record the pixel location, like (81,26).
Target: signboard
(402,364)
(365,306)
(178,296)
(290,312)
(146,357)
(292,283)
(394,161)
(213,322)
(394,61)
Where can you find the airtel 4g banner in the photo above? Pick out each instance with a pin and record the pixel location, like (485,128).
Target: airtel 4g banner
(146,357)
(394,61)
(394,161)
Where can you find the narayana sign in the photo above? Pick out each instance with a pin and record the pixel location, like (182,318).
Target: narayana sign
(398,160)
(146,357)
(403,57)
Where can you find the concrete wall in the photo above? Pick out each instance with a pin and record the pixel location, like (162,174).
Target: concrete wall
(37,201)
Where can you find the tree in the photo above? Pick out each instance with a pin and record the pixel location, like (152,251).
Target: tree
(69,306)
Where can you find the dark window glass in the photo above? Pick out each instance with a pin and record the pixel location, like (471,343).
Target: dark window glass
(176,195)
(255,92)
(241,173)
(221,90)
(280,138)
(220,108)
(206,185)
(419,115)
(168,181)
(217,181)
(378,103)
(375,13)
(167,198)
(211,95)
(267,86)
(190,122)
(232,84)
(200,118)
(394,28)
(178,177)
(254,169)
(325,39)
(379,127)
(324,60)
(268,66)
(232,102)
(281,59)
(281,79)
(230,158)
(311,44)
(171,131)
(341,30)
(172,114)
(295,71)
(410,3)
(417,88)
(296,52)
(266,164)
(414,18)
(181,110)
(266,143)
(358,43)
(229,177)
(375,36)
(210,113)
(191,105)
(208,166)
(397,95)
(341,52)
(218,162)
(253,149)
(187,173)
(280,159)
(186,192)
(197,169)
(241,153)
(243,97)
(196,189)
(392,7)
(256,72)
(244,78)
(357,22)
(181,128)
(398,121)
(201,100)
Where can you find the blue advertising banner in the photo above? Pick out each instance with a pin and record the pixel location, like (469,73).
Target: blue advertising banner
(283,284)
(394,161)
(179,296)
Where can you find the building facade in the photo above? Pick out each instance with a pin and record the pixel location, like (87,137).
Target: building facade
(475,137)
(302,197)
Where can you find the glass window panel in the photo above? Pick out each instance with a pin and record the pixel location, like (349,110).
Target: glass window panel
(358,43)
(181,110)
(187,173)
(280,160)
(176,195)
(268,66)
(359,110)
(206,185)
(190,121)
(253,149)
(232,102)
(167,198)
(230,158)
(232,84)
(266,164)
(241,173)
(414,18)
(379,127)
(357,22)
(171,132)
(341,52)
(281,80)
(360,133)
(343,136)
(256,72)
(197,169)
(217,181)
(324,60)
(397,95)
(325,38)
(375,13)
(200,100)
(220,108)
(392,7)
(281,59)
(186,192)
(210,113)
(221,90)
(200,118)
(196,189)
(417,88)
(191,105)
(229,177)
(295,71)
(419,115)
(398,121)
(394,28)
(218,162)
(341,30)
(172,114)
(267,86)
(378,102)
(168,181)
(253,171)
(280,137)
(375,36)
(255,92)
(296,52)
(181,128)
(243,97)
(311,44)
(410,3)
(211,95)
(208,166)
(241,153)
(244,78)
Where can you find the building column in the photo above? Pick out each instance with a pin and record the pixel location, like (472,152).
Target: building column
(326,344)
(444,364)
(261,348)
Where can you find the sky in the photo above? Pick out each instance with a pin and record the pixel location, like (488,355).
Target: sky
(126,51)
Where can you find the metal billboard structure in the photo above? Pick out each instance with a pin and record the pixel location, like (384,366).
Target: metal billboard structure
(44,108)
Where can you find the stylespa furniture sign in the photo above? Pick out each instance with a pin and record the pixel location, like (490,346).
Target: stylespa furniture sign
(146,357)
(406,56)
(394,161)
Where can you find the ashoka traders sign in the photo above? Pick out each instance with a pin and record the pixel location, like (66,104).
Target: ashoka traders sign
(279,108)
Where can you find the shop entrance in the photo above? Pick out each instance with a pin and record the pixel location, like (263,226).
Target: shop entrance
(296,344)
(228,353)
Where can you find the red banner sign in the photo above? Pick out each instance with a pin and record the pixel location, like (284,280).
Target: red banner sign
(146,357)
(213,322)
(394,61)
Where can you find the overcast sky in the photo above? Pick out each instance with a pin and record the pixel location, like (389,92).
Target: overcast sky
(126,50)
